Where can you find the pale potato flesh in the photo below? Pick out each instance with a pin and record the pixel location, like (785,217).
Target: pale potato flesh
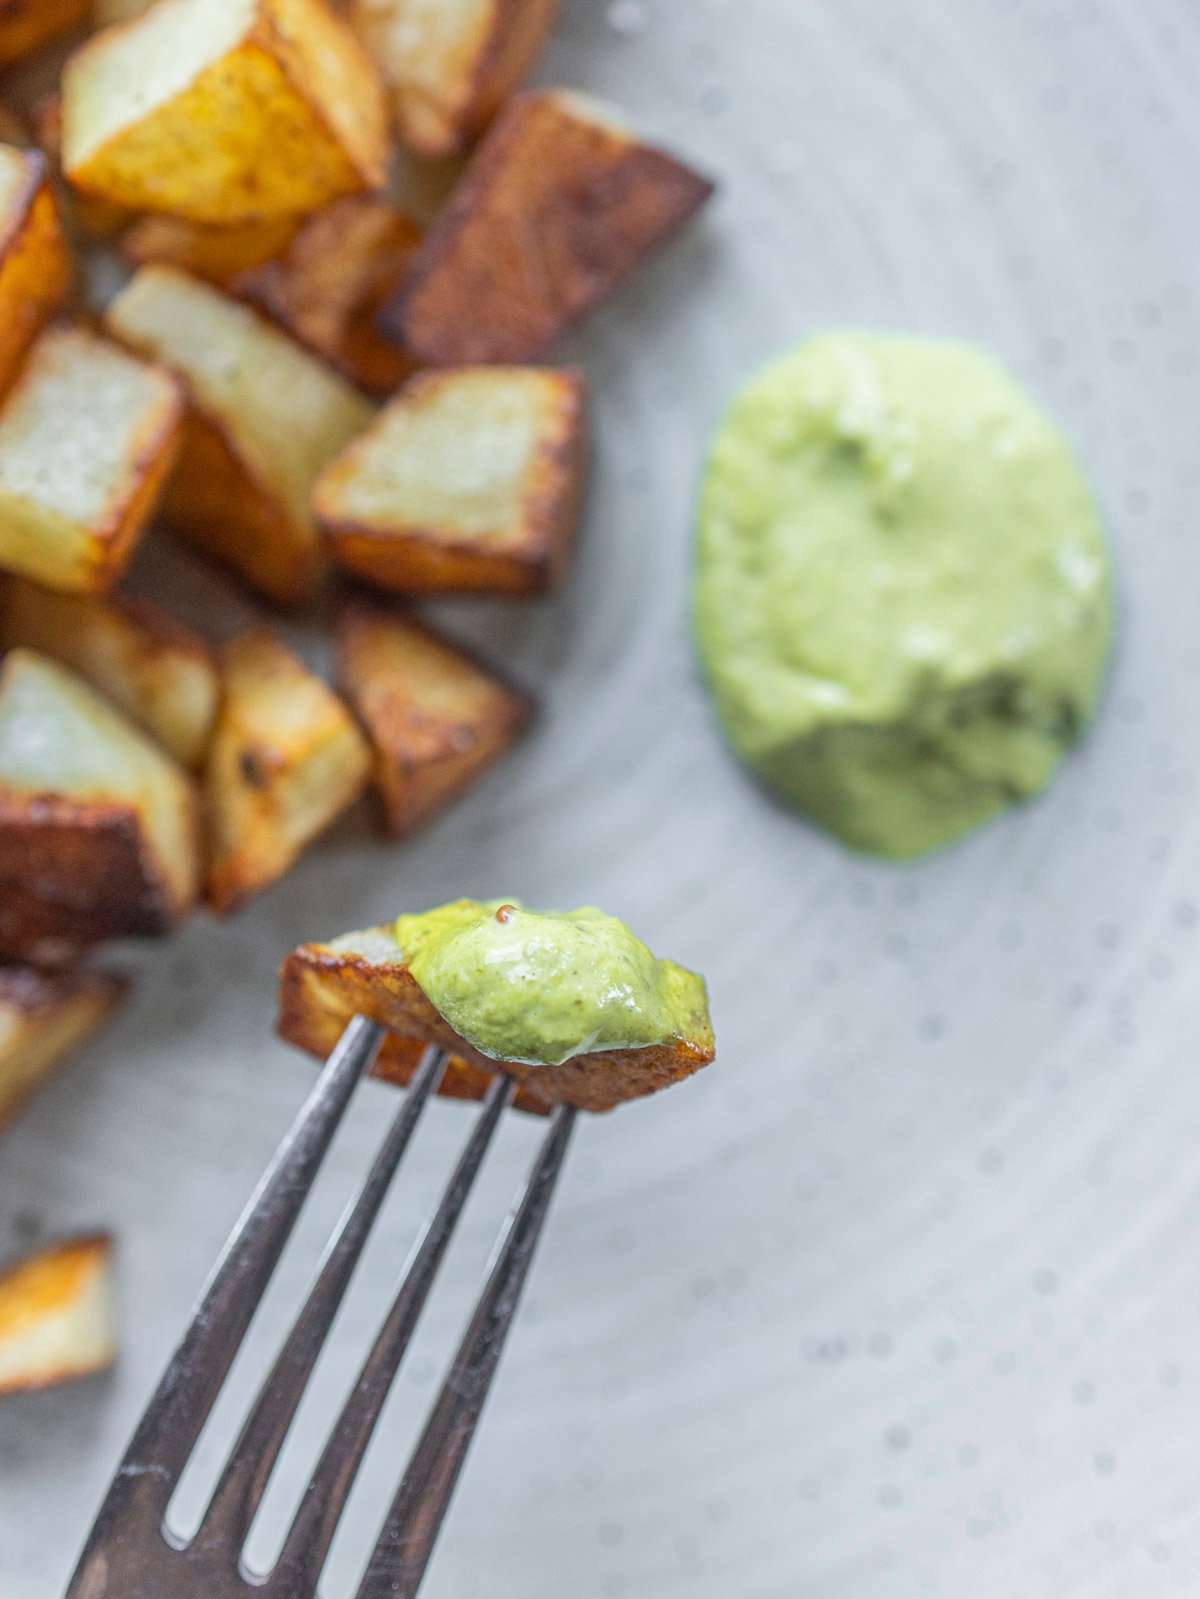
(283,411)
(56,1316)
(58,737)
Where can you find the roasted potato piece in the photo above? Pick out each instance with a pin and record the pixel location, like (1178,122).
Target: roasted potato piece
(95,219)
(451,64)
(29,25)
(94,818)
(216,254)
(47,932)
(436,719)
(265,417)
(35,270)
(560,206)
(225,110)
(13,127)
(152,667)
(467,482)
(286,760)
(326,288)
(56,1316)
(45,1016)
(88,435)
(323,985)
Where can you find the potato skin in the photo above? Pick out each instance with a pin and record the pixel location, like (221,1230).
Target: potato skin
(436,718)
(35,267)
(322,987)
(29,25)
(554,214)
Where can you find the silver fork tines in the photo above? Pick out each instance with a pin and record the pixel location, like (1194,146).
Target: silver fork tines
(131,1555)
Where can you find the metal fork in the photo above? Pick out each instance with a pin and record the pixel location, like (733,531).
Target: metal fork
(131,1553)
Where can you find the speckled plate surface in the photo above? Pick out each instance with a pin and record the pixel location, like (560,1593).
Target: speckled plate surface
(902,1297)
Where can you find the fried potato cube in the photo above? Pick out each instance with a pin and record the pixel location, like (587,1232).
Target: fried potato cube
(436,719)
(44,931)
(451,64)
(215,253)
(94,818)
(225,110)
(559,207)
(56,1316)
(159,672)
(88,435)
(328,285)
(323,985)
(469,481)
(35,269)
(265,417)
(44,1017)
(106,12)
(29,25)
(93,218)
(286,760)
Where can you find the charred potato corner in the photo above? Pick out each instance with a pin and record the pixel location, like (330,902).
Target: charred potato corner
(314,226)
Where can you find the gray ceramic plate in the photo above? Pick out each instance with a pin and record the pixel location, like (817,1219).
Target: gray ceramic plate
(903,1296)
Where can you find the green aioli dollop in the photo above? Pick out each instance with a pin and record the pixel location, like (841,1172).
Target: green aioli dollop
(544,986)
(902,597)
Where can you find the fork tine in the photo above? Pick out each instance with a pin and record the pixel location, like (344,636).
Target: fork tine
(411,1529)
(240,1490)
(168,1431)
(312,1532)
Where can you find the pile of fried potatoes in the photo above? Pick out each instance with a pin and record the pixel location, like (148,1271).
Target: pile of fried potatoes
(348,240)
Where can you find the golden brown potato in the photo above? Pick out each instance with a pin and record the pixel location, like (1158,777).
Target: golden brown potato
(88,435)
(225,110)
(451,64)
(152,667)
(323,985)
(35,269)
(13,127)
(436,719)
(560,206)
(327,286)
(265,417)
(83,214)
(470,481)
(44,1017)
(56,1316)
(96,823)
(286,760)
(47,932)
(216,254)
(29,25)
(106,12)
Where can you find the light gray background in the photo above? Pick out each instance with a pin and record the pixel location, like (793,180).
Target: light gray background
(903,1296)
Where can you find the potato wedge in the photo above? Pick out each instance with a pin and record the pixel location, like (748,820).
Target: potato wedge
(29,25)
(225,110)
(286,760)
(216,254)
(56,1316)
(95,821)
(469,481)
(44,1017)
(559,207)
(35,269)
(327,286)
(451,64)
(265,417)
(83,214)
(159,672)
(88,435)
(436,719)
(323,985)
